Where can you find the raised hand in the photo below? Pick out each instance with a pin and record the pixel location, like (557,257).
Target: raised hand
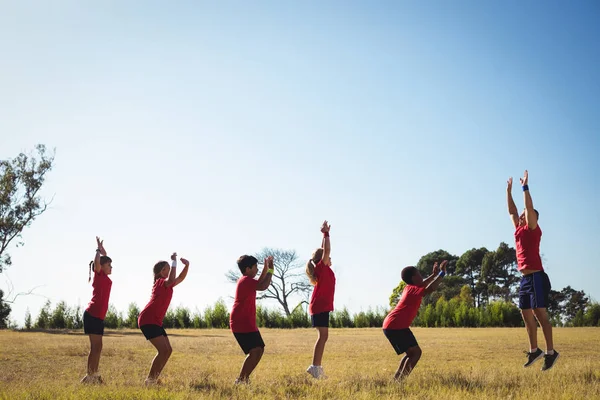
(509,184)
(100,244)
(270,262)
(325,227)
(524,179)
(443,266)
(174,256)
(184,261)
(435,268)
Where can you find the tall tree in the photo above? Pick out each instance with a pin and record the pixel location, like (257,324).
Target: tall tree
(450,286)
(20,204)
(289,279)
(499,273)
(469,266)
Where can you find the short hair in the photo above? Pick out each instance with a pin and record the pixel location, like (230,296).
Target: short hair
(245,262)
(407,274)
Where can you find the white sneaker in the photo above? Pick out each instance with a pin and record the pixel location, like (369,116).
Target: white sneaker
(239,381)
(316,371)
(151,382)
(313,370)
(321,372)
(92,379)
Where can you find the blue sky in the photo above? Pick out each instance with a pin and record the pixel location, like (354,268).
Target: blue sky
(216,130)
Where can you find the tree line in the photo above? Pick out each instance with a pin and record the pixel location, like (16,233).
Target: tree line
(456,312)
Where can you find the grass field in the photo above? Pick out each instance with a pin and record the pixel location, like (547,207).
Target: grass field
(456,364)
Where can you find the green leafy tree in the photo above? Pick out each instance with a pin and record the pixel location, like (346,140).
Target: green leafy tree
(133,312)
(28,323)
(499,274)
(4,311)
(58,319)
(43,319)
(469,266)
(113,318)
(21,179)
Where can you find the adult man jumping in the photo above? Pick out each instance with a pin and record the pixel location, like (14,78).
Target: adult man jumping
(535,284)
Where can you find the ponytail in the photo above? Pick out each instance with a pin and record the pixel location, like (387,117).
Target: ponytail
(90,271)
(312,264)
(310,271)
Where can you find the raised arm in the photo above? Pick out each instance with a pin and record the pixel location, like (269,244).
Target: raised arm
(264,281)
(100,251)
(437,280)
(512,208)
(183,273)
(530,214)
(171,280)
(431,277)
(326,244)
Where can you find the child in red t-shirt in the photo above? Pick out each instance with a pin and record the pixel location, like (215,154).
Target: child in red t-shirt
(242,319)
(321,275)
(396,325)
(151,318)
(93,317)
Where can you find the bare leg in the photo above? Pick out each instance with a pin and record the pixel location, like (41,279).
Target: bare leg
(542,316)
(323,335)
(531,325)
(95,352)
(401,367)
(163,346)
(413,354)
(250,363)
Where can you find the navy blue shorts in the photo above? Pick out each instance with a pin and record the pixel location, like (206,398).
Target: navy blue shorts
(534,291)
(92,325)
(249,341)
(151,331)
(320,320)
(401,339)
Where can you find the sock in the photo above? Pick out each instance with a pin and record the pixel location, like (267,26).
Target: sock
(533,350)
(550,352)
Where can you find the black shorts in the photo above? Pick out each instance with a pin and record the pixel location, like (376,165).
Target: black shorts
(534,291)
(401,339)
(320,320)
(152,331)
(249,341)
(92,325)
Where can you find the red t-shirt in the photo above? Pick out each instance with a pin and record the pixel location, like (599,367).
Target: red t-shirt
(528,248)
(243,314)
(98,306)
(155,310)
(405,312)
(322,296)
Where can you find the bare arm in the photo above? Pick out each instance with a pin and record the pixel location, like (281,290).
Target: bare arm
(183,273)
(512,208)
(530,214)
(172,274)
(431,277)
(437,280)
(100,251)
(266,275)
(326,244)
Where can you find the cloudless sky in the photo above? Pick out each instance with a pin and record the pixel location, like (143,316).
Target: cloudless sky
(215,130)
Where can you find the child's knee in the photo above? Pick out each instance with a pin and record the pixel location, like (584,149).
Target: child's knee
(323,335)
(414,353)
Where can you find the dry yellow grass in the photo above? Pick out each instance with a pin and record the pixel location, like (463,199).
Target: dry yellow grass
(456,364)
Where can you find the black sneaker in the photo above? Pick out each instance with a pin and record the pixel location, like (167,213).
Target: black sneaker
(550,360)
(533,357)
